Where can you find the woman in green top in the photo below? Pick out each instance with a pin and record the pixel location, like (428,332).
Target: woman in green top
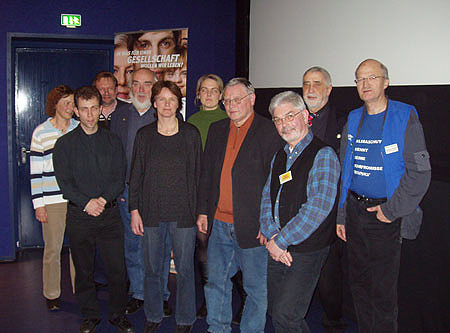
(209,92)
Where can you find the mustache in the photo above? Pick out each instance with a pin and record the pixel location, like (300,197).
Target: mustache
(287,129)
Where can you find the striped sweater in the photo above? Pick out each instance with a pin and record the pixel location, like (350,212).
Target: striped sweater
(44,188)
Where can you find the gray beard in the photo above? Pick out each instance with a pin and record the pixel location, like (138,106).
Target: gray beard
(140,105)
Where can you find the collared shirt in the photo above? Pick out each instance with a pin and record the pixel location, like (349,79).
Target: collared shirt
(89,166)
(236,136)
(321,191)
(105,120)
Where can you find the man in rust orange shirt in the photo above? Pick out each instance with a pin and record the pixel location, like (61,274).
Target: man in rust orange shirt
(235,167)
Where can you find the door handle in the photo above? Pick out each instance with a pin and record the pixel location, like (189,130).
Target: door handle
(24,153)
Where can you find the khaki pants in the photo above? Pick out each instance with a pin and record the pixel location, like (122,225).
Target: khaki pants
(53,234)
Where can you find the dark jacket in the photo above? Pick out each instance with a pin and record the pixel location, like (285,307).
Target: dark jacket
(105,122)
(142,193)
(249,173)
(334,123)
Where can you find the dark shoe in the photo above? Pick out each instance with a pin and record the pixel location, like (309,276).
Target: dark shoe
(237,318)
(89,324)
(52,304)
(151,327)
(333,325)
(202,312)
(100,285)
(167,309)
(122,324)
(183,328)
(134,305)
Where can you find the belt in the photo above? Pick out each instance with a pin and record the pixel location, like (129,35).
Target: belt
(368,201)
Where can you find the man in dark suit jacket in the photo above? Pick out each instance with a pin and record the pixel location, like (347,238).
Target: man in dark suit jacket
(125,122)
(326,124)
(106,84)
(235,167)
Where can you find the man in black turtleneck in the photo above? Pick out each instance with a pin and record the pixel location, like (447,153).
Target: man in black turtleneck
(327,126)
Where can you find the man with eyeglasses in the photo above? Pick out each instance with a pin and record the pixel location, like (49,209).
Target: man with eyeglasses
(385,174)
(125,122)
(235,166)
(106,84)
(296,223)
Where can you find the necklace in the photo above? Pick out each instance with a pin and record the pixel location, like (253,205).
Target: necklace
(169,131)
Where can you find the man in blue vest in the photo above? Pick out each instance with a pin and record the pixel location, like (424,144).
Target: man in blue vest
(385,174)
(295,220)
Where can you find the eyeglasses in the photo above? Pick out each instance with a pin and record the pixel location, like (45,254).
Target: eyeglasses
(236,100)
(368,79)
(289,117)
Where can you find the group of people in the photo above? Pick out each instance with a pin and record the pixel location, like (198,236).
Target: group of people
(265,205)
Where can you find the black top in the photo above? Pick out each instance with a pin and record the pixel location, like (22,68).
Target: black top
(89,166)
(169,163)
(144,179)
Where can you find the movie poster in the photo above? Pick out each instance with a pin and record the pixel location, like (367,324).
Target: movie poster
(164,52)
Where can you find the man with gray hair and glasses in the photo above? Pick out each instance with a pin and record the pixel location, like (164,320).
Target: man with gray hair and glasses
(295,221)
(235,166)
(385,174)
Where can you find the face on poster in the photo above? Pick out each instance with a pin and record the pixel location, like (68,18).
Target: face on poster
(162,51)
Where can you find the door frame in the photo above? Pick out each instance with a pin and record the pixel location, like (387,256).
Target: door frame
(12,140)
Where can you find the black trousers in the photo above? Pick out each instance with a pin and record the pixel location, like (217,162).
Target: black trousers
(331,286)
(374,260)
(106,233)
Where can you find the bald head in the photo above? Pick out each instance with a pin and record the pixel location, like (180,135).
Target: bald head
(144,72)
(141,88)
(374,63)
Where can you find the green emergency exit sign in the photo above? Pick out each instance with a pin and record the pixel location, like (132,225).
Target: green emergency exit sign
(71,20)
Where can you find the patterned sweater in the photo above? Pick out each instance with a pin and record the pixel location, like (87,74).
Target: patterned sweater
(44,188)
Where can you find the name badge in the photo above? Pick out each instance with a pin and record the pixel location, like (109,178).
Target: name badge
(285,177)
(393,148)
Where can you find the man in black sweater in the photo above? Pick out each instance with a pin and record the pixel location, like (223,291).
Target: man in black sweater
(90,168)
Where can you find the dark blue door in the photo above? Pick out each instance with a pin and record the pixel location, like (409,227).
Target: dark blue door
(39,66)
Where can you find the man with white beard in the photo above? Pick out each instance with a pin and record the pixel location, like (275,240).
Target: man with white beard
(125,122)
(326,124)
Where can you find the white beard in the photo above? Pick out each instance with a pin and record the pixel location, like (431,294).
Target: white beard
(140,105)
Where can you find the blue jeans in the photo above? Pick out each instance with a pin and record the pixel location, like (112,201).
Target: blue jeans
(183,245)
(225,257)
(134,256)
(290,289)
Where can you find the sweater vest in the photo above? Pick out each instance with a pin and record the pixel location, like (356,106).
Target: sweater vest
(293,196)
